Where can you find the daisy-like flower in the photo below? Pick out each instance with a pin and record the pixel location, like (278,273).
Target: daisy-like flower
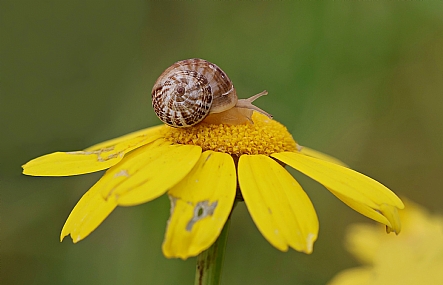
(202,168)
(415,257)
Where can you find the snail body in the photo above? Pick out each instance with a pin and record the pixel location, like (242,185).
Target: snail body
(191,90)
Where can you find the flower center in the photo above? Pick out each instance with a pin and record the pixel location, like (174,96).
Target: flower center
(265,136)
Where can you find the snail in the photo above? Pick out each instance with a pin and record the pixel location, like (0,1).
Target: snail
(195,90)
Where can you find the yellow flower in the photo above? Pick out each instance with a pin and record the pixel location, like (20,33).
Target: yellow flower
(201,168)
(415,257)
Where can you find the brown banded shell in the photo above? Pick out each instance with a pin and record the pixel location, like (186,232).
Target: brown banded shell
(186,92)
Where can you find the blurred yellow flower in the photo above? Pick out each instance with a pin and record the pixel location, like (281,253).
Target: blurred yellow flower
(201,168)
(414,257)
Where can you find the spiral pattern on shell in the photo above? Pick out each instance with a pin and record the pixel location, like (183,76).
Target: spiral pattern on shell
(186,92)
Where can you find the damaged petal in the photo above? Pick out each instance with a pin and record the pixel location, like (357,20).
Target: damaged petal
(84,152)
(122,172)
(310,243)
(201,210)
(173,201)
(99,153)
(299,147)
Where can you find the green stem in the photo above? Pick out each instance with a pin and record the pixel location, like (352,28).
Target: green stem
(210,261)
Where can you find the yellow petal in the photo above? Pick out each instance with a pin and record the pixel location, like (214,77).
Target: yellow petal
(320,155)
(152,131)
(414,257)
(391,213)
(362,209)
(278,205)
(352,276)
(96,158)
(342,180)
(87,215)
(148,172)
(363,241)
(200,205)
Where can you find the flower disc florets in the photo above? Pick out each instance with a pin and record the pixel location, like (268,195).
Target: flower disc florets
(264,136)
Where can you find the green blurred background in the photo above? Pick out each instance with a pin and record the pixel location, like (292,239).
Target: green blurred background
(362,81)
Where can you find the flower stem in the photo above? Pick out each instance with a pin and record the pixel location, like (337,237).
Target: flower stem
(210,261)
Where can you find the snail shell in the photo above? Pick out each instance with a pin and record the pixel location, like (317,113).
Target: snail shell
(189,90)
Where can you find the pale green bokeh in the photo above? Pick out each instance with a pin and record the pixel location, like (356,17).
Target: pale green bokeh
(359,80)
